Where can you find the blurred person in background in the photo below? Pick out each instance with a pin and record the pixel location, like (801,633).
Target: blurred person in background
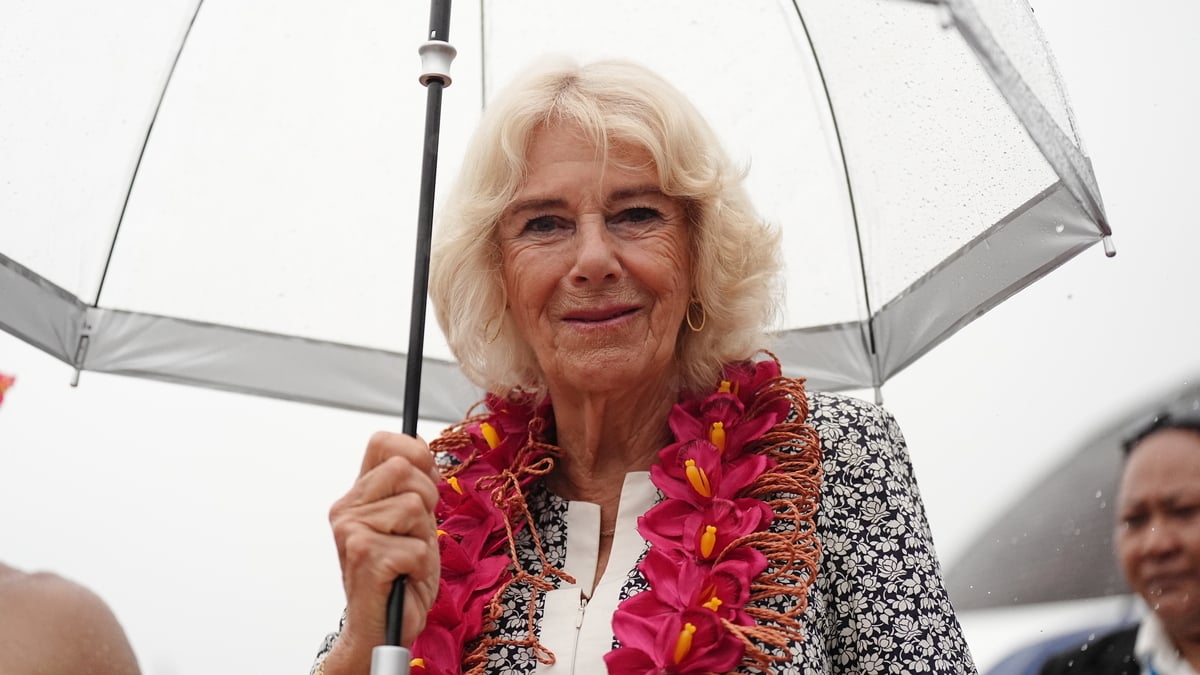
(1157,544)
(50,625)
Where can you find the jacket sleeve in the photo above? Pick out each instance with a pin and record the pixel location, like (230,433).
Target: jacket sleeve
(887,609)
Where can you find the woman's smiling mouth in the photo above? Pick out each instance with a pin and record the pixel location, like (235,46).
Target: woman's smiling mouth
(598,316)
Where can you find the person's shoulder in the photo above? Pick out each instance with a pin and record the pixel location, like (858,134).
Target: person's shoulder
(47,590)
(1107,654)
(862,446)
(839,418)
(828,405)
(65,623)
(52,589)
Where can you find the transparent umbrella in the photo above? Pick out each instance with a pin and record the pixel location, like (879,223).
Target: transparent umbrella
(223,194)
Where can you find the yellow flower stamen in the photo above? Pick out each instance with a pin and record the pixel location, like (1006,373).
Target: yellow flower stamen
(490,435)
(725,387)
(713,604)
(417,663)
(441,533)
(708,541)
(697,478)
(716,435)
(453,481)
(684,644)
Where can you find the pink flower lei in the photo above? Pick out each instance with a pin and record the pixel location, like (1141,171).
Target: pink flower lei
(735,468)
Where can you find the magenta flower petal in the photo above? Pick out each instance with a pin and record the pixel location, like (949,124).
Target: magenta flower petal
(630,661)
(670,474)
(439,649)
(637,620)
(751,377)
(736,476)
(749,429)
(724,408)
(685,425)
(663,524)
(714,649)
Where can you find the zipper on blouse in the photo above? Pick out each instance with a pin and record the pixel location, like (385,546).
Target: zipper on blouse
(583,602)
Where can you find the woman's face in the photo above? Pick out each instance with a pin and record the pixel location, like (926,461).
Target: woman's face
(596,266)
(1158,534)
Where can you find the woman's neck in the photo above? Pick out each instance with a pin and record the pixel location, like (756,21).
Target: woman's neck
(605,436)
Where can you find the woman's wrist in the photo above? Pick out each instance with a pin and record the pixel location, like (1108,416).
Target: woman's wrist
(345,658)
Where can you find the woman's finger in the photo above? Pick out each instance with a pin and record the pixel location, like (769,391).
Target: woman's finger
(395,475)
(379,558)
(384,445)
(371,561)
(405,514)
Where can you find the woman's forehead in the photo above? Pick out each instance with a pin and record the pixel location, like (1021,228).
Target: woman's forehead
(565,159)
(549,140)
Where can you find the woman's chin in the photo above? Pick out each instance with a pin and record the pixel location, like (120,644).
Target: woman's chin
(606,370)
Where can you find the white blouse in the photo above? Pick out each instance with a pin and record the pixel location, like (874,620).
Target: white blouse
(578,630)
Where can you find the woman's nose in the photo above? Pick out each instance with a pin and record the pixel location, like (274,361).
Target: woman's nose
(596,258)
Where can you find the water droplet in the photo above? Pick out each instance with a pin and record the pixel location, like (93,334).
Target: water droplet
(1059,228)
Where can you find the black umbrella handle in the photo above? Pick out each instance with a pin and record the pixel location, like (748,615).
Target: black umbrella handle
(436,55)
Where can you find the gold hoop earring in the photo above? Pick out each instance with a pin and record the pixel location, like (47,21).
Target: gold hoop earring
(487,329)
(703,316)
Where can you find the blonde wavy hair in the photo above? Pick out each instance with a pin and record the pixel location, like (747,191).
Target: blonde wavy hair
(734,254)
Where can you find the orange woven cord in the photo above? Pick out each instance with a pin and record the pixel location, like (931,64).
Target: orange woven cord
(792,489)
(506,494)
(453,438)
(751,636)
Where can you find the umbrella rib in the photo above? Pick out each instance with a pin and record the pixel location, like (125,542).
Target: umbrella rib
(142,153)
(862,263)
(482,54)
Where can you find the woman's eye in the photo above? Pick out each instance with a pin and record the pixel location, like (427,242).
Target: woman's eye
(639,214)
(541,224)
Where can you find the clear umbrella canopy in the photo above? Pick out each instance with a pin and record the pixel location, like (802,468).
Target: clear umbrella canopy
(225,193)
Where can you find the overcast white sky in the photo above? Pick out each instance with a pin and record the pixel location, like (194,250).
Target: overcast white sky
(201,516)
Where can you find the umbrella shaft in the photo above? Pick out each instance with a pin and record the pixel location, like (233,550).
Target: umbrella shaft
(420,288)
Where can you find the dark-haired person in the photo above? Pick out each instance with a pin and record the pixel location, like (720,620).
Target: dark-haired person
(1157,543)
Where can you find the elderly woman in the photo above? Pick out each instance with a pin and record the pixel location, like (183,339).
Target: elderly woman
(642,492)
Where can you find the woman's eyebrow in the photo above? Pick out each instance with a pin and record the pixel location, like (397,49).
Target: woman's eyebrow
(548,203)
(637,191)
(536,204)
